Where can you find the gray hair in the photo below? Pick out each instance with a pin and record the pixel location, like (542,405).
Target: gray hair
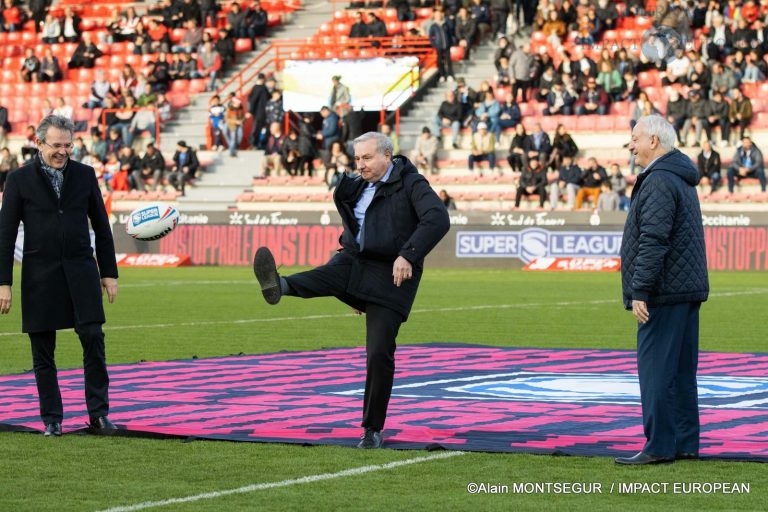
(383,143)
(54,121)
(655,124)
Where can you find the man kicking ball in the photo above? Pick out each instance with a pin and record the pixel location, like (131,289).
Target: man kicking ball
(392,219)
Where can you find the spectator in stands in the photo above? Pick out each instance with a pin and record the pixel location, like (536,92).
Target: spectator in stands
(122,27)
(191,39)
(127,81)
(330,131)
(503,49)
(123,118)
(79,150)
(290,153)
(676,70)
(540,146)
(376,28)
(8,162)
(521,66)
(111,169)
(85,54)
(185,167)
(216,111)
(518,149)
(619,185)
(51,30)
(12,17)
(98,145)
(630,86)
(608,200)
(678,111)
(151,170)
(447,200)
(30,66)
(63,109)
(509,115)
(256,22)
(340,101)
(467,96)
(386,129)
(257,103)
(50,70)
(157,37)
(559,101)
(274,108)
(709,165)
(70,26)
(424,154)
(481,13)
(358,29)
(185,68)
(114,142)
(500,10)
(482,149)
(754,70)
(190,10)
(562,145)
(147,96)
(226,48)
(593,100)
(209,64)
(700,75)
(545,84)
(723,79)
(236,21)
(272,161)
(554,29)
(740,113)
(440,38)
(164,108)
(159,74)
(144,120)
(489,112)
(698,110)
(567,183)
(337,162)
(718,115)
(449,115)
(307,148)
(610,80)
(465,31)
(130,164)
(591,179)
(747,163)
(29,148)
(533,181)
(234,117)
(208,13)
(100,89)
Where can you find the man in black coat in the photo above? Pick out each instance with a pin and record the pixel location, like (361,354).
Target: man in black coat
(61,281)
(392,219)
(664,281)
(257,105)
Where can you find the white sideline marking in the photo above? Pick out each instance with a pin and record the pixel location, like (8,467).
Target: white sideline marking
(108,328)
(283,483)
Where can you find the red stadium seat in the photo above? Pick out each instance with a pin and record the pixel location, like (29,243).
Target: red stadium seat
(243,44)
(457,53)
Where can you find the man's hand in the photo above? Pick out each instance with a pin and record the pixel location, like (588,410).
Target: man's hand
(110,286)
(640,310)
(402,270)
(5,298)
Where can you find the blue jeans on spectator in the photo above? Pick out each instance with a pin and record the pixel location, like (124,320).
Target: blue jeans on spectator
(233,136)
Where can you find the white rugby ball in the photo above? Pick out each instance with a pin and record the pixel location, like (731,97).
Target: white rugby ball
(152,221)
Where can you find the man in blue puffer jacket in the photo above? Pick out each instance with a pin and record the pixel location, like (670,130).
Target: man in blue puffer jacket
(664,281)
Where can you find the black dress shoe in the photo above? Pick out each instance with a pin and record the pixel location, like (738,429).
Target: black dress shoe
(266,273)
(686,456)
(371,439)
(52,429)
(642,458)
(102,425)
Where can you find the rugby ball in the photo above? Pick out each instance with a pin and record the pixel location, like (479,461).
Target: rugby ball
(152,221)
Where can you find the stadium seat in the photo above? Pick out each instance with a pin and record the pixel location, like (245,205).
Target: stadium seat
(243,44)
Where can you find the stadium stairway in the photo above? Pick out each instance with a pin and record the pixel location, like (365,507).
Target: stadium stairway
(226,177)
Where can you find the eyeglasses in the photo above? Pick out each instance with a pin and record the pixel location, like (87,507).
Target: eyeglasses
(57,147)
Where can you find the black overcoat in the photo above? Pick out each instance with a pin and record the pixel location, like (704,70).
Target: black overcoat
(60,278)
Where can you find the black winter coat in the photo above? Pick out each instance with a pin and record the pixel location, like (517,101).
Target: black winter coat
(405,218)
(663,258)
(60,279)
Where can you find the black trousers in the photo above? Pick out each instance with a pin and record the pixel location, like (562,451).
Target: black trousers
(94,368)
(382,325)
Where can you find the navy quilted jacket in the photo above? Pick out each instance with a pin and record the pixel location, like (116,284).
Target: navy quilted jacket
(663,260)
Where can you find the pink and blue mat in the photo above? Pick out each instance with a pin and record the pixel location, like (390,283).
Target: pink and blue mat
(451,396)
